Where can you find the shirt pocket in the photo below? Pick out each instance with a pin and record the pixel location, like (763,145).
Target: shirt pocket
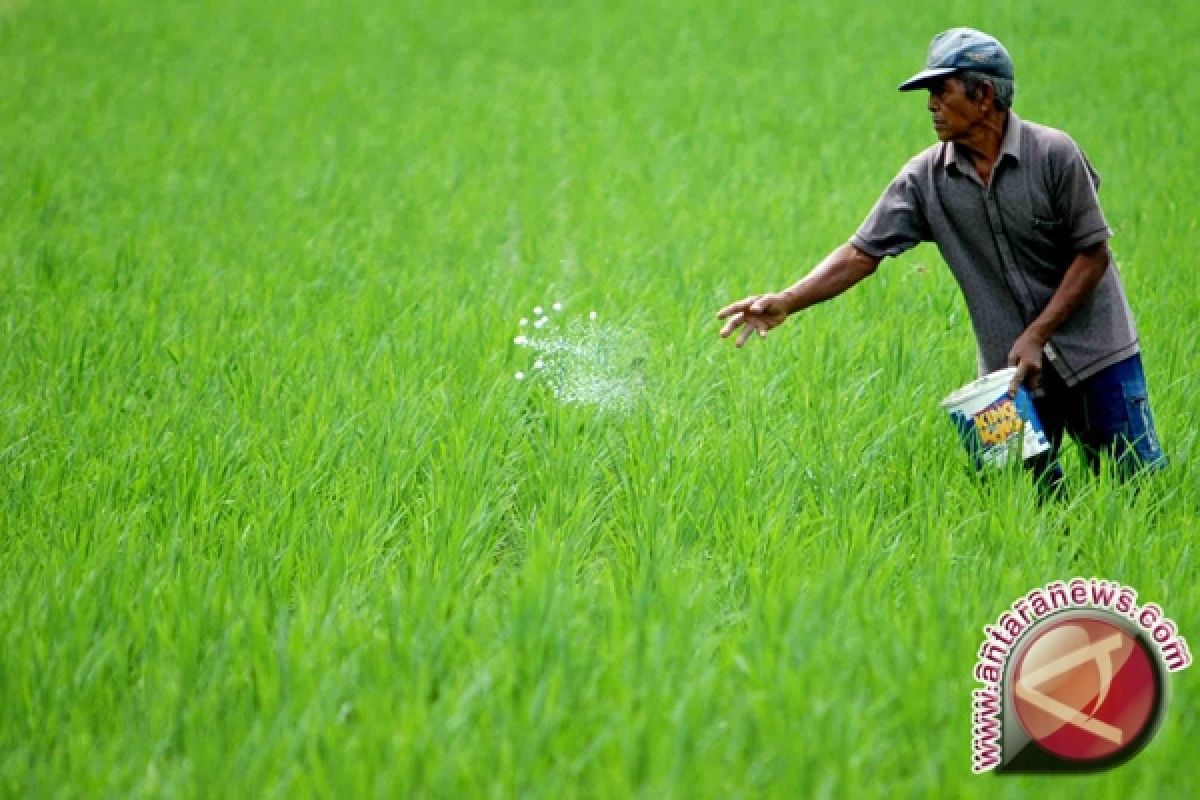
(1051,240)
(1048,226)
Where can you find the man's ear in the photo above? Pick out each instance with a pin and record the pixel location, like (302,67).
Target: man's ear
(987,94)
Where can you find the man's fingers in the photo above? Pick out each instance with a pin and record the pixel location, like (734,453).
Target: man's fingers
(1018,378)
(734,308)
(752,327)
(733,323)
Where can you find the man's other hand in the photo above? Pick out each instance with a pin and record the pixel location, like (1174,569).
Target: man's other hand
(760,312)
(1026,356)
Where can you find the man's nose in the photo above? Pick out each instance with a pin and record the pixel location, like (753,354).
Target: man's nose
(932,104)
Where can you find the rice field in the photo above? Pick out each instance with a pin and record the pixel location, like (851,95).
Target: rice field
(278,518)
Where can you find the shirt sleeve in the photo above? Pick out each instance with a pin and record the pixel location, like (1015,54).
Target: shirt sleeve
(1078,204)
(897,222)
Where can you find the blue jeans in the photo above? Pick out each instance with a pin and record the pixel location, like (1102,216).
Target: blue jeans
(1107,414)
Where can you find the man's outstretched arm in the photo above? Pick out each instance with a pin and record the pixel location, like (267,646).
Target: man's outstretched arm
(841,269)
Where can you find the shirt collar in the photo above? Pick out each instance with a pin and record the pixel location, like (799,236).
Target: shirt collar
(1011,146)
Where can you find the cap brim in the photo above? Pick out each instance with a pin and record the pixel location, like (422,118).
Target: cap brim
(925,77)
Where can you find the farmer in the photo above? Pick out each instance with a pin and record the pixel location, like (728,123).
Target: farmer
(1012,207)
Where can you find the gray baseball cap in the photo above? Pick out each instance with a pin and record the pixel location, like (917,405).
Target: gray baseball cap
(960,49)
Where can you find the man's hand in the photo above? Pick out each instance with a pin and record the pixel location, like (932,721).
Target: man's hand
(1026,356)
(760,312)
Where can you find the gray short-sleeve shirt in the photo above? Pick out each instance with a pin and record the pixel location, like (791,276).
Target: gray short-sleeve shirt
(1009,244)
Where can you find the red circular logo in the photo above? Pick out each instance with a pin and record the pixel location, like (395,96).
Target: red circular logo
(1085,689)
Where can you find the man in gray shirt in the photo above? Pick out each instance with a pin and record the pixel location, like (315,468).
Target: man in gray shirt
(1012,207)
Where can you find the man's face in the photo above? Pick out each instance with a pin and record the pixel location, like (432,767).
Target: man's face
(954,114)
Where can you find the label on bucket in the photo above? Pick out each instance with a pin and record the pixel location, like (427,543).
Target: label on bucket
(992,423)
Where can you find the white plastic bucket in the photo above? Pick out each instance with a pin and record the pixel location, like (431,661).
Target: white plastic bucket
(992,423)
